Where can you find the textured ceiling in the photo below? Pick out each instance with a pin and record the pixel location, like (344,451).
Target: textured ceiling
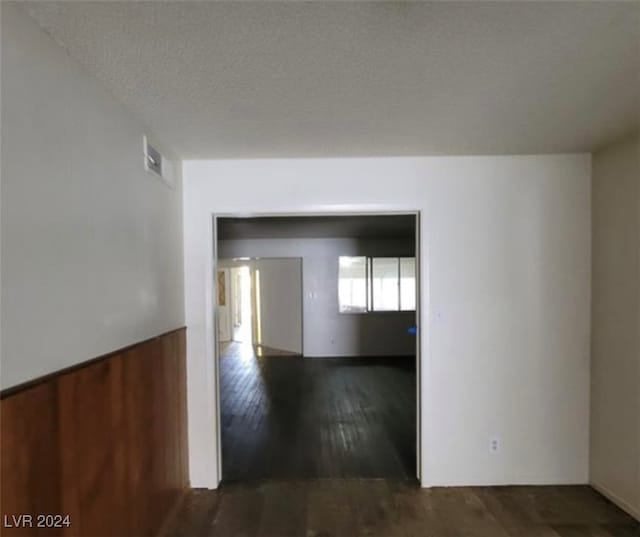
(277,79)
(366,226)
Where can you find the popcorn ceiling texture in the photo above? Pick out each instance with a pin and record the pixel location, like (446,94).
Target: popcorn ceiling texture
(242,80)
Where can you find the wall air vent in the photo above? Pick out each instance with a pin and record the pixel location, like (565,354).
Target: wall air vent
(154,160)
(156,164)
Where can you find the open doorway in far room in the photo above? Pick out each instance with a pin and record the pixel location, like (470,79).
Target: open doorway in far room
(241,311)
(324,383)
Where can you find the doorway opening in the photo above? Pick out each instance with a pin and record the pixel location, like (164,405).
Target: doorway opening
(237,302)
(241,310)
(260,304)
(318,360)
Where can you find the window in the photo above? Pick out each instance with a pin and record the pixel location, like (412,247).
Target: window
(384,284)
(368,284)
(352,284)
(407,283)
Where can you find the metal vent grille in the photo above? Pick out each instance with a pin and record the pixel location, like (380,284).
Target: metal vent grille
(153,159)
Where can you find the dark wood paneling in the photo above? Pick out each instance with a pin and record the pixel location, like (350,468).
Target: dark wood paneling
(30,455)
(183,447)
(93,449)
(105,443)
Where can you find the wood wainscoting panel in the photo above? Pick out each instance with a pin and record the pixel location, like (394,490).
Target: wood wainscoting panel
(104,443)
(183,433)
(93,456)
(30,457)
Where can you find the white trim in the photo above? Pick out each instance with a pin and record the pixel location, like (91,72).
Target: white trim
(420,392)
(211,347)
(211,334)
(622,504)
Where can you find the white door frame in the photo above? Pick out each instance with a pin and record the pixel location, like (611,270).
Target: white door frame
(212,320)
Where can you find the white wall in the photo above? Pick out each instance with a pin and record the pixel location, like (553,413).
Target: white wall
(326,331)
(615,359)
(506,289)
(91,244)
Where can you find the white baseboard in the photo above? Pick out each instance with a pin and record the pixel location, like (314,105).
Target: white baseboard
(622,504)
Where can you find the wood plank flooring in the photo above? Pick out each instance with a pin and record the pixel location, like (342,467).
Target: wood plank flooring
(288,417)
(306,442)
(392,508)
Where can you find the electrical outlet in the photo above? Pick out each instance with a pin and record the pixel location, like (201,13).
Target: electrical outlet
(494,444)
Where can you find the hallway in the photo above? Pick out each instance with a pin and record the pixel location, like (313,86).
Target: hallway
(289,417)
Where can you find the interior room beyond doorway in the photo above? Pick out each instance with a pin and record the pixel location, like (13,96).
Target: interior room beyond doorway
(317,347)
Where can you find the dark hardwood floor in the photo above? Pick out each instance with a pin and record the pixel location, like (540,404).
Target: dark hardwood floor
(389,508)
(288,417)
(306,441)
